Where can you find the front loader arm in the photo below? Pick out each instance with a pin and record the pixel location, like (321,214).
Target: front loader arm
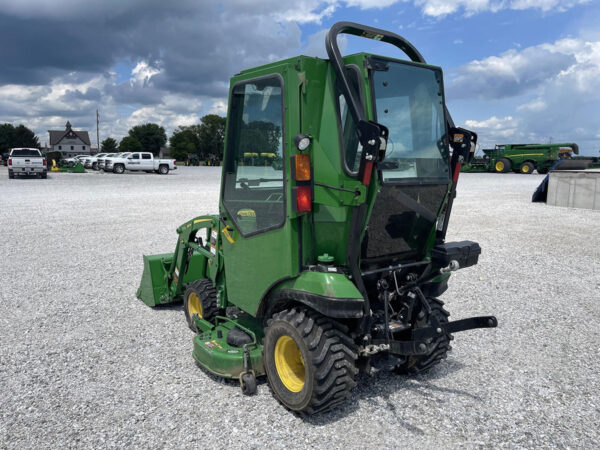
(166,275)
(187,244)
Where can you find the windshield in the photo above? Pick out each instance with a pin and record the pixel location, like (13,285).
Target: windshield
(25,152)
(409,101)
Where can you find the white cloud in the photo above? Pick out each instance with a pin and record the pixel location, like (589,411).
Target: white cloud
(559,99)
(505,127)
(534,105)
(441,8)
(142,73)
(514,71)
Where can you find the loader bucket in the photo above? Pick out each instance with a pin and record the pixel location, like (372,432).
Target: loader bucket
(153,289)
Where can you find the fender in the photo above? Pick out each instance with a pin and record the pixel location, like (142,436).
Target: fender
(330,293)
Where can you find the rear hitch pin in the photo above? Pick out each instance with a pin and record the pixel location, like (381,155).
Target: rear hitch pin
(453,266)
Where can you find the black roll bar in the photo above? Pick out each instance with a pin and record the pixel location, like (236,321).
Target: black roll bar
(333,52)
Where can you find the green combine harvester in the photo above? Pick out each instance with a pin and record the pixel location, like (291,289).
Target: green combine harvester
(521,158)
(328,258)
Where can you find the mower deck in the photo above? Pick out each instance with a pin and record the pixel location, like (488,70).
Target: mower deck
(214,352)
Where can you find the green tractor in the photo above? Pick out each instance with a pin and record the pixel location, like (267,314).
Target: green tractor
(331,262)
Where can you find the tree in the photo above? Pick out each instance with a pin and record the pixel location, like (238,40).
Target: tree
(183,142)
(130,144)
(7,132)
(108,145)
(20,136)
(24,137)
(150,136)
(211,133)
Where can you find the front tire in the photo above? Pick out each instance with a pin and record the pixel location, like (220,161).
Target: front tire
(200,298)
(503,165)
(119,168)
(437,347)
(309,359)
(95,166)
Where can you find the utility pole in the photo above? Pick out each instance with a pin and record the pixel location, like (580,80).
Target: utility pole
(97,132)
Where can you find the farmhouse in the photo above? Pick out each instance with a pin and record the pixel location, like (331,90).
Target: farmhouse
(69,142)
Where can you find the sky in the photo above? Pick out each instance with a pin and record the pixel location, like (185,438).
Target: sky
(515,71)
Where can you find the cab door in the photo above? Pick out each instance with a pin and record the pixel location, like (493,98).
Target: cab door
(147,163)
(257,240)
(133,162)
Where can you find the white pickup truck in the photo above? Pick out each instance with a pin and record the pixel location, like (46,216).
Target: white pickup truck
(144,161)
(117,159)
(27,161)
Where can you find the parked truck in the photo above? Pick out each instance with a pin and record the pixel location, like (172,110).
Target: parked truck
(27,161)
(521,158)
(142,161)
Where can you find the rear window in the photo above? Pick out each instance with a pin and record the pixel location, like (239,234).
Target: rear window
(25,152)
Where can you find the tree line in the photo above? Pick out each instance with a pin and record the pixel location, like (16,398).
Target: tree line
(204,140)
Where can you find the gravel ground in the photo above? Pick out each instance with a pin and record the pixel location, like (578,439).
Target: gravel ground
(85,364)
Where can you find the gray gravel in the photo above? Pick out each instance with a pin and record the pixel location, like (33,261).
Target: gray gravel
(85,364)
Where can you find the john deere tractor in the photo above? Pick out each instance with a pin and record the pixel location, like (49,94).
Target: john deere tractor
(328,254)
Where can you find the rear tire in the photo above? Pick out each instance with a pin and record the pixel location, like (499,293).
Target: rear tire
(11,174)
(163,169)
(309,359)
(200,298)
(503,165)
(438,346)
(44,175)
(526,168)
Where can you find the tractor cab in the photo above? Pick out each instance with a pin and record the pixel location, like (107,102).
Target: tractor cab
(329,247)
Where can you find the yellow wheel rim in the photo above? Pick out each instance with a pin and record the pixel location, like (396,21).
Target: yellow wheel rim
(289,364)
(525,169)
(499,166)
(194,305)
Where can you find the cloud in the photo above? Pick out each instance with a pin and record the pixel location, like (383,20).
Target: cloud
(512,73)
(553,87)
(441,8)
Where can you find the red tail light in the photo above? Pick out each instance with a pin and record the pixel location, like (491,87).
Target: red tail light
(45,162)
(10,161)
(174,162)
(303,198)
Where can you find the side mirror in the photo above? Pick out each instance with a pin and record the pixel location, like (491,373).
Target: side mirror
(463,143)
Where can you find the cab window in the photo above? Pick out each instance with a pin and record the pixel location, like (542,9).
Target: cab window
(253,192)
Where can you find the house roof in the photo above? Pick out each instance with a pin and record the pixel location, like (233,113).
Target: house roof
(58,135)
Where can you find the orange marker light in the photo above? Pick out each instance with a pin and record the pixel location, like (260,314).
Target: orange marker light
(302,167)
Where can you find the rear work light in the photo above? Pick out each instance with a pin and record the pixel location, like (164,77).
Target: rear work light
(303,198)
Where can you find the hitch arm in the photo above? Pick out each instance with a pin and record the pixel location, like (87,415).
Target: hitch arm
(471,323)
